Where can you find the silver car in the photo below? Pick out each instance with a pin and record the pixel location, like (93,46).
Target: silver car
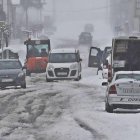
(123,91)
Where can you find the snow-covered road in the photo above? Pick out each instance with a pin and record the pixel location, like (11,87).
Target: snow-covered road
(64,110)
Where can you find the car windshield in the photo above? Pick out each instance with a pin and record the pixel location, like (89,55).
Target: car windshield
(40,50)
(62,58)
(128,76)
(10,65)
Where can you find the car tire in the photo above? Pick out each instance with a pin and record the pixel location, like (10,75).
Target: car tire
(48,80)
(108,108)
(23,85)
(28,73)
(78,78)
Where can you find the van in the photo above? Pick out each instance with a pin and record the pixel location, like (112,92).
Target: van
(64,64)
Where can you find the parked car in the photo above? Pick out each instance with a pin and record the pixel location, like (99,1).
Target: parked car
(123,91)
(85,38)
(64,64)
(11,73)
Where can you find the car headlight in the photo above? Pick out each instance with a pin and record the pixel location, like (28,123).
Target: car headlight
(73,66)
(50,67)
(21,74)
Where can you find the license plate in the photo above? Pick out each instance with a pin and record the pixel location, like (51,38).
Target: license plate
(131,90)
(62,73)
(7,80)
(133,99)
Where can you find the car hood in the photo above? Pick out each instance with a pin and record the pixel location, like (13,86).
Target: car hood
(10,71)
(61,65)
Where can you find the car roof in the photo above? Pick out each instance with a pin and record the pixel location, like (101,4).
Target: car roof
(127,72)
(127,38)
(8,60)
(64,50)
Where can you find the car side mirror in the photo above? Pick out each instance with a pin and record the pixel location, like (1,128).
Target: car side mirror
(105,84)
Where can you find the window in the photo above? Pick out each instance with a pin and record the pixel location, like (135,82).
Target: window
(62,58)
(10,65)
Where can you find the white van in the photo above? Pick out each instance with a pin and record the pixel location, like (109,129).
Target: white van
(63,64)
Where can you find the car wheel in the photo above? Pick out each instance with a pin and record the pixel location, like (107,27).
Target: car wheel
(108,108)
(28,73)
(48,80)
(78,78)
(23,85)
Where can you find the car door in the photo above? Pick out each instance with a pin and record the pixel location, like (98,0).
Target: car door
(94,57)
(79,62)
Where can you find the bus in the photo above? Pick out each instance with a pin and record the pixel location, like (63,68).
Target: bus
(37,56)
(125,55)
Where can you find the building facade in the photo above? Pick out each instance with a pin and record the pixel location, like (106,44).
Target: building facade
(125,16)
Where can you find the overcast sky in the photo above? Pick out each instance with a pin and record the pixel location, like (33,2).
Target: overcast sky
(77,9)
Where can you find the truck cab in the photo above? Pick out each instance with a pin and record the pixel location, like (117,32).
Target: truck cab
(37,56)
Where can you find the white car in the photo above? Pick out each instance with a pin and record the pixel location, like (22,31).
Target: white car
(123,91)
(64,64)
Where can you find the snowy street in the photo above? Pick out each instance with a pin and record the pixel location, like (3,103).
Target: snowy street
(55,55)
(64,110)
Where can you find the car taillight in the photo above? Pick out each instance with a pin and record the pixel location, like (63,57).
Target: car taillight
(112,90)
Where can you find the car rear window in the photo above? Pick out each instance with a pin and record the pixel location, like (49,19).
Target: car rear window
(10,65)
(128,76)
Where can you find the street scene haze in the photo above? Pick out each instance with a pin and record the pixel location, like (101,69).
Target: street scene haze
(69,69)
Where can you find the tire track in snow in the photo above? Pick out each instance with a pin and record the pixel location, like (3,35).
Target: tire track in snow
(87,127)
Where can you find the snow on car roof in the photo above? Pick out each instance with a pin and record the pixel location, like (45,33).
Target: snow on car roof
(123,80)
(127,37)
(9,59)
(127,72)
(64,50)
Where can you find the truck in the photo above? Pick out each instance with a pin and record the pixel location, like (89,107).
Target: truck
(125,55)
(37,56)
